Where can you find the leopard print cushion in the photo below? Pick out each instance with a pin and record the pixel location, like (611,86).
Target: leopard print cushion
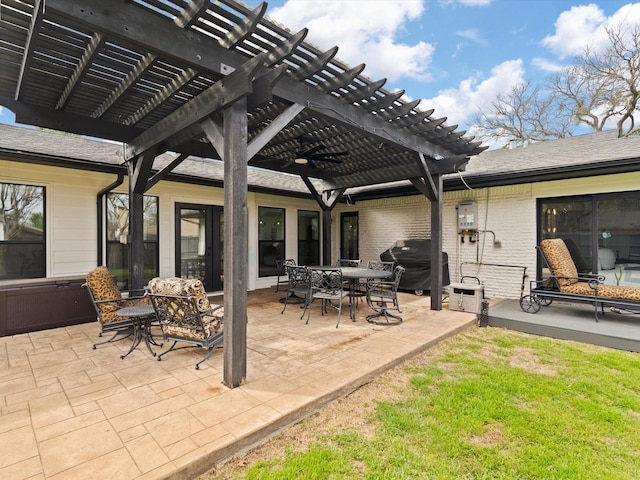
(604,291)
(100,282)
(560,261)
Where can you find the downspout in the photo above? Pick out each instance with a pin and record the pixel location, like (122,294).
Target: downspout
(99,202)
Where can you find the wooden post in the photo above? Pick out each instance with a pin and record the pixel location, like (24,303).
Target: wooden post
(235,243)
(326,236)
(436,246)
(135,239)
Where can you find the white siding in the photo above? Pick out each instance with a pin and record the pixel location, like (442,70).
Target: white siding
(71,216)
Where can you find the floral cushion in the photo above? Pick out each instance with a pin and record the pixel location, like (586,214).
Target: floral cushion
(184,321)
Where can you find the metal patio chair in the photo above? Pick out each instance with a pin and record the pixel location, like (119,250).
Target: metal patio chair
(281,271)
(185,315)
(326,285)
(298,287)
(107,299)
(382,296)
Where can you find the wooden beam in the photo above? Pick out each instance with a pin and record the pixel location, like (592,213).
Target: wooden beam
(141,172)
(314,66)
(223,93)
(399,111)
(125,21)
(267,134)
(215,134)
(162,96)
(235,243)
(190,14)
(69,122)
(364,92)
(243,29)
(262,91)
(328,199)
(426,175)
(383,102)
(166,170)
(341,81)
(337,111)
(450,165)
(286,48)
(29,47)
(132,77)
(94,46)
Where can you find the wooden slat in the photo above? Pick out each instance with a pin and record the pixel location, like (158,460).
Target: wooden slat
(221,94)
(313,67)
(189,15)
(81,70)
(243,29)
(27,56)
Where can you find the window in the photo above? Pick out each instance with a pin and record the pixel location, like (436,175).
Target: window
(117,233)
(22,227)
(308,237)
(604,230)
(271,245)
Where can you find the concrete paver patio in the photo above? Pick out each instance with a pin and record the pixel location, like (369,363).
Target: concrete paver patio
(70,412)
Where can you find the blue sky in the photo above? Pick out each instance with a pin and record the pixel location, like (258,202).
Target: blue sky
(455,55)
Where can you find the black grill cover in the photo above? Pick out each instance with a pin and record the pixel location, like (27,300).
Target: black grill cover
(415,257)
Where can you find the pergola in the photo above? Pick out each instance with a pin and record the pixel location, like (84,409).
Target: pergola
(219,80)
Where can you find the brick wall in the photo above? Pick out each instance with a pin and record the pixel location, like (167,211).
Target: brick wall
(510,216)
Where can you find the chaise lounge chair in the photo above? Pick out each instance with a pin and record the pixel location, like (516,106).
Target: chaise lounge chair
(566,284)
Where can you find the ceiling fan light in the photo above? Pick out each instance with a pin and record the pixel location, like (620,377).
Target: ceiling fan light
(300,161)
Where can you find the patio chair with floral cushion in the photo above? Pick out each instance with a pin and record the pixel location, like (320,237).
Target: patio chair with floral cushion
(186,315)
(107,299)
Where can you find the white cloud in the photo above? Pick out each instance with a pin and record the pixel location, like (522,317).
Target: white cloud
(475,94)
(468,3)
(474,35)
(585,25)
(363,32)
(547,65)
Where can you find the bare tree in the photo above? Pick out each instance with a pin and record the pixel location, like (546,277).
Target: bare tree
(598,88)
(18,205)
(525,114)
(604,86)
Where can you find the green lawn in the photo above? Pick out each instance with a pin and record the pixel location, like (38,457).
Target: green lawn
(486,404)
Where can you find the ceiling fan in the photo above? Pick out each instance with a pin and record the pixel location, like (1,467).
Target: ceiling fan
(314,154)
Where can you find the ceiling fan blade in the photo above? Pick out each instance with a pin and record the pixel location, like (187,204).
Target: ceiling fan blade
(312,150)
(329,154)
(324,159)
